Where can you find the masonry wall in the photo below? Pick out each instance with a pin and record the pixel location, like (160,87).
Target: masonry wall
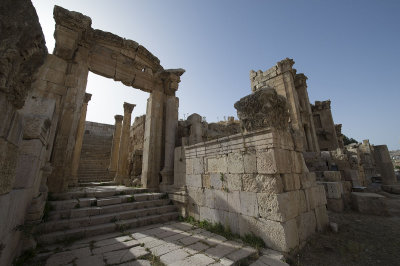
(256,183)
(95,153)
(324,126)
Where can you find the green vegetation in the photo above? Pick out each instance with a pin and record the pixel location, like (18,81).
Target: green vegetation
(219,229)
(131,199)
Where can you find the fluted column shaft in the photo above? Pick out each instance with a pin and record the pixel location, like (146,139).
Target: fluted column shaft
(122,170)
(79,141)
(115,144)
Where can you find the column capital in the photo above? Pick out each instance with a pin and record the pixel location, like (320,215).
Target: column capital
(87,98)
(128,107)
(118,118)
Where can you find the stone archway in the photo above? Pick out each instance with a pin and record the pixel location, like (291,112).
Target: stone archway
(80,49)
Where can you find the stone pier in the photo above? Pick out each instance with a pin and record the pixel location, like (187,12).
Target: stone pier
(79,140)
(115,145)
(122,170)
(171,122)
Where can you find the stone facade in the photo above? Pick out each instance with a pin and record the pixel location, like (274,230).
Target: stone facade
(136,146)
(95,153)
(256,182)
(284,79)
(324,126)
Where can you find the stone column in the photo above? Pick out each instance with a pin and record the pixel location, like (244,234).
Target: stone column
(122,170)
(78,142)
(112,169)
(171,122)
(152,146)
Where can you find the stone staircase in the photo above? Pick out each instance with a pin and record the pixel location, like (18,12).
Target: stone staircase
(88,211)
(95,159)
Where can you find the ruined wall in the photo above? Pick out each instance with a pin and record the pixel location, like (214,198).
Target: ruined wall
(256,183)
(324,126)
(95,153)
(24,123)
(194,130)
(283,78)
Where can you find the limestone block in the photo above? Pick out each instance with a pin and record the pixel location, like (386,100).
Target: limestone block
(196,196)
(266,162)
(16,129)
(248,203)
(232,221)
(281,236)
(193,180)
(319,195)
(221,200)
(198,165)
(332,176)
(336,205)
(206,180)
(209,214)
(209,198)
(321,217)
(297,163)
(303,203)
(217,165)
(233,182)
(306,225)
(66,42)
(125,70)
(194,211)
(103,61)
(369,203)
(235,163)
(307,180)
(216,180)
(279,207)
(334,190)
(6,114)
(234,202)
(262,183)
(189,166)
(8,164)
(290,181)
(250,163)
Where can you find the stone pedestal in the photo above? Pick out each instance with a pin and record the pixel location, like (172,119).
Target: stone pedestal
(171,121)
(79,140)
(112,169)
(122,171)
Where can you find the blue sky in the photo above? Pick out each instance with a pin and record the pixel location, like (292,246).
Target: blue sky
(350,51)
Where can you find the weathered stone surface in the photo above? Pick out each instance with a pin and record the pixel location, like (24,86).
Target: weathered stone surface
(332,176)
(262,183)
(291,181)
(334,190)
(235,163)
(22,49)
(306,225)
(369,203)
(321,217)
(264,108)
(279,207)
(249,203)
(336,205)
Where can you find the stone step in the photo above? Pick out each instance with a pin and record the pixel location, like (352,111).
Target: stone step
(98,192)
(66,213)
(93,230)
(90,184)
(74,223)
(103,201)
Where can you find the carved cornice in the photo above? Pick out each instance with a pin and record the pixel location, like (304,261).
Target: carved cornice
(285,65)
(171,79)
(300,80)
(318,105)
(87,98)
(128,107)
(71,19)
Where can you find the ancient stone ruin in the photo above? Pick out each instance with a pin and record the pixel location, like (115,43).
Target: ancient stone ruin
(272,174)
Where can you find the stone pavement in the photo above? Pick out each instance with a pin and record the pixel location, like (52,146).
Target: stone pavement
(171,243)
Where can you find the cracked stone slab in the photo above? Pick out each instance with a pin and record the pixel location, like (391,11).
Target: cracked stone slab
(120,256)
